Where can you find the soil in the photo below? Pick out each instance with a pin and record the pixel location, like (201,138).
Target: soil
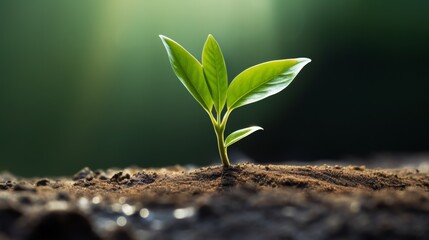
(245,201)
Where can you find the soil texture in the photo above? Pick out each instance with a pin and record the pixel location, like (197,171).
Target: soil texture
(245,201)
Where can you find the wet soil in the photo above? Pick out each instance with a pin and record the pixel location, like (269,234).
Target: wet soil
(245,201)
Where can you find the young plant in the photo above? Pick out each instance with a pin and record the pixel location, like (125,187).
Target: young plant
(208,84)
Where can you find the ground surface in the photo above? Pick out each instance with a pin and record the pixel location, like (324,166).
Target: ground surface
(246,201)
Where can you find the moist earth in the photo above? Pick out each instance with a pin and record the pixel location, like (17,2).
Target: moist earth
(244,201)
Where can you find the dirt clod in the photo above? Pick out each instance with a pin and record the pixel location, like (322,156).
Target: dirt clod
(85,173)
(142,178)
(119,177)
(42,182)
(21,188)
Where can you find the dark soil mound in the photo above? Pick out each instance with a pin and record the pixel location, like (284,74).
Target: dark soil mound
(245,201)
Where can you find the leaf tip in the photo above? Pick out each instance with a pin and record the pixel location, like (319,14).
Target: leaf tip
(303,60)
(257,128)
(163,39)
(211,39)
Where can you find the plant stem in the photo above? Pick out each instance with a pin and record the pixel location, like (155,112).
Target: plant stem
(219,126)
(221,145)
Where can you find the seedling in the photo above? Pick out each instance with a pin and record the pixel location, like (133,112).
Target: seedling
(208,84)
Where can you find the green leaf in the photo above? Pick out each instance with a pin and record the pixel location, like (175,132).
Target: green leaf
(240,134)
(189,71)
(215,71)
(263,80)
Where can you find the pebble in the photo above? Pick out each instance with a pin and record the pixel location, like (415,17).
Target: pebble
(42,182)
(85,173)
(102,177)
(23,188)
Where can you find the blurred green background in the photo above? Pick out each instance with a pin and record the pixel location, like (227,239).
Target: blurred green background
(88,83)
